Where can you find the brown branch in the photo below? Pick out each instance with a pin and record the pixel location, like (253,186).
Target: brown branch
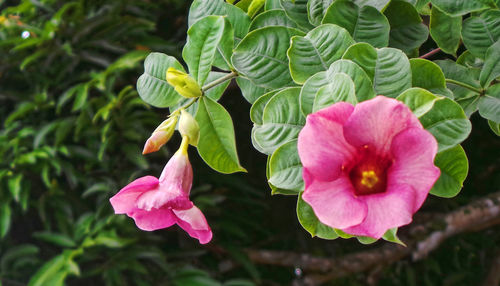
(493,278)
(431,53)
(421,240)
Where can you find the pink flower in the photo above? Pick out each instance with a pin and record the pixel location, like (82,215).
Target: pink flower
(367,168)
(159,203)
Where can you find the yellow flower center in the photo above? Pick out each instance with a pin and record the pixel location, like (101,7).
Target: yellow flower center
(369,178)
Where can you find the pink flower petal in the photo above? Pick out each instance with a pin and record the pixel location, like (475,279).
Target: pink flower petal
(334,203)
(153,219)
(194,223)
(413,152)
(322,147)
(124,200)
(375,122)
(178,171)
(387,210)
(168,194)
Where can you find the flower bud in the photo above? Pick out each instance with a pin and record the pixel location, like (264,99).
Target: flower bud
(161,135)
(189,127)
(184,84)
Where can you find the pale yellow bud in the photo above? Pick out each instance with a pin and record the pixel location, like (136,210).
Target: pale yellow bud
(189,127)
(161,135)
(184,84)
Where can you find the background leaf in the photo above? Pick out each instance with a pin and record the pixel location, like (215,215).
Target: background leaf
(454,167)
(445,30)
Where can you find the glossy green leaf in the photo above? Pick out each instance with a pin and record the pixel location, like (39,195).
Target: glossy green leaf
(391,236)
(362,83)
(250,91)
(55,271)
(495,127)
(428,75)
(281,121)
(491,68)
(297,11)
(15,186)
(152,86)
(365,56)
(285,168)
(217,146)
(317,51)
(272,4)
(239,20)
(454,168)
(255,7)
(379,4)
(420,101)
(202,45)
(462,7)
(265,67)
(489,104)
(461,74)
(310,89)
(447,122)
(316,9)
(445,30)
(340,88)
(257,110)
(480,32)
(310,222)
(365,24)
(390,67)
(217,91)
(407,29)
(272,18)
(5,219)
(469,104)
(55,238)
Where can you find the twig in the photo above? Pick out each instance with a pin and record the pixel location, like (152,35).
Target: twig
(473,217)
(431,53)
(493,278)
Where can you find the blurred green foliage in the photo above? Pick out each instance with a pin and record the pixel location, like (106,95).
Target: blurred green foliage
(71,136)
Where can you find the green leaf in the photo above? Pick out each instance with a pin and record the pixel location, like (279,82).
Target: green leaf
(462,7)
(255,7)
(428,75)
(407,30)
(366,239)
(217,146)
(203,40)
(390,67)
(55,238)
(379,4)
(152,86)
(360,22)
(420,101)
(261,56)
(459,73)
(55,271)
(281,121)
(297,11)
(480,32)
(310,89)
(250,91)
(391,236)
(316,9)
(257,110)
(317,51)
(340,88)
(362,83)
(285,168)
(311,223)
(272,4)
(5,218)
(491,68)
(454,167)
(238,18)
(217,91)
(81,94)
(272,18)
(489,104)
(445,30)
(365,56)
(447,122)
(495,127)
(15,186)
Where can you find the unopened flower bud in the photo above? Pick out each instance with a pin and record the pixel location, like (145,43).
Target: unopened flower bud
(161,135)
(184,84)
(189,127)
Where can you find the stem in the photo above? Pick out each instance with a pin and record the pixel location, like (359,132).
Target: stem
(431,53)
(216,82)
(464,85)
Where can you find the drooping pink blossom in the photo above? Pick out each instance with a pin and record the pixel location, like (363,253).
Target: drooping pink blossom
(159,203)
(367,168)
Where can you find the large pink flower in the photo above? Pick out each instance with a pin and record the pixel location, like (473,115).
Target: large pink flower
(159,203)
(367,168)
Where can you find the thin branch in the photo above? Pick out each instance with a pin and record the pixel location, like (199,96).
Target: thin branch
(493,278)
(431,53)
(464,85)
(421,240)
(216,82)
